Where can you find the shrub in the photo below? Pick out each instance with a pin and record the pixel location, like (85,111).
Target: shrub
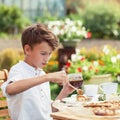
(12,19)
(9,57)
(108,62)
(68,30)
(52,64)
(102,20)
(55,89)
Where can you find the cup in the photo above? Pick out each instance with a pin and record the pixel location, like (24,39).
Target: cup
(109,88)
(75,79)
(91,90)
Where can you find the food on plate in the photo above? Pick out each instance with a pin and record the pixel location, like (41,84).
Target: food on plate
(104,111)
(82,98)
(98,104)
(104,108)
(79,92)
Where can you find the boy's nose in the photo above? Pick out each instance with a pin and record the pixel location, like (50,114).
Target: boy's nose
(46,59)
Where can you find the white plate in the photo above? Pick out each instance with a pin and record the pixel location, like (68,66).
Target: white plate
(70,100)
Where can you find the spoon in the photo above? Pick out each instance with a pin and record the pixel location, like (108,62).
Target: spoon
(79,91)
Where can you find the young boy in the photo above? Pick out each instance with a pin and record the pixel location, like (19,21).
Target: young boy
(27,88)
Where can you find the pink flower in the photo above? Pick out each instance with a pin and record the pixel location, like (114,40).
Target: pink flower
(68,64)
(89,35)
(82,59)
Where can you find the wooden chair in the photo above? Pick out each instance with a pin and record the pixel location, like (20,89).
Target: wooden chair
(4,115)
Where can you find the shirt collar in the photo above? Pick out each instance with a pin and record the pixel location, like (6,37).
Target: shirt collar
(31,67)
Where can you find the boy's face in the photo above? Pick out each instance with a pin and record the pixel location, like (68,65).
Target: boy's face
(39,55)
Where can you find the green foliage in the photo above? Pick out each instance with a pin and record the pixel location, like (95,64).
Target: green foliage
(102,20)
(55,89)
(52,65)
(9,57)
(108,62)
(3,35)
(12,19)
(68,30)
(44,19)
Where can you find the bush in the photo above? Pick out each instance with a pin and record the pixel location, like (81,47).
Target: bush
(52,65)
(12,19)
(102,20)
(9,57)
(55,89)
(107,61)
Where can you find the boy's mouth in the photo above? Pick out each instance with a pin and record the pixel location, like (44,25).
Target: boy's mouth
(44,63)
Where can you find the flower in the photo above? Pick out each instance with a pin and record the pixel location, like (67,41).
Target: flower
(52,64)
(69,30)
(89,35)
(105,63)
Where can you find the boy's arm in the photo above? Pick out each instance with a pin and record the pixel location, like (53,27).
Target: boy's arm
(22,85)
(66,90)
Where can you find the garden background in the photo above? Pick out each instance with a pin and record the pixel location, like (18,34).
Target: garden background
(95,25)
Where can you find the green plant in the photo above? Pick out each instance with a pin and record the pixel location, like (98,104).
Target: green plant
(9,57)
(55,89)
(68,30)
(102,20)
(11,19)
(52,64)
(107,63)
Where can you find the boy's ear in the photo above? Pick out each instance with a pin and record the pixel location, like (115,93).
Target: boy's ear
(27,49)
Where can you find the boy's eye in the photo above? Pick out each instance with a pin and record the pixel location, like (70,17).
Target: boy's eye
(43,53)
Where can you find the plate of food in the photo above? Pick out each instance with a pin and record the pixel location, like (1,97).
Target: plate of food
(74,100)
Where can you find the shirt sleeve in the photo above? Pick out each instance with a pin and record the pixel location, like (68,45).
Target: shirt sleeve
(14,75)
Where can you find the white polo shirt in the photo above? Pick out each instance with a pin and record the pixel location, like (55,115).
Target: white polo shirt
(32,104)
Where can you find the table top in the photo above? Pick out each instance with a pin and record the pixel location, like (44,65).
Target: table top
(65,116)
(78,112)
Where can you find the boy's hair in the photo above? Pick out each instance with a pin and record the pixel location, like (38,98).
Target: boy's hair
(38,33)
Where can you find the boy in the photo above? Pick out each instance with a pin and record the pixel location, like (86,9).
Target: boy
(27,88)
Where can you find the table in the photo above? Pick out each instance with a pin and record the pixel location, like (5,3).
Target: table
(63,116)
(77,113)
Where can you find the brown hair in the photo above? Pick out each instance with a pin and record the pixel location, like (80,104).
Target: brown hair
(38,33)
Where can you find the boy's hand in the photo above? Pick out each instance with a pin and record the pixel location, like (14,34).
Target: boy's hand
(58,77)
(66,90)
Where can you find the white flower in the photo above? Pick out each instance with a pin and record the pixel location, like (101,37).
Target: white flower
(68,29)
(85,68)
(95,63)
(73,57)
(56,31)
(106,49)
(115,32)
(73,29)
(77,51)
(114,59)
(118,56)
